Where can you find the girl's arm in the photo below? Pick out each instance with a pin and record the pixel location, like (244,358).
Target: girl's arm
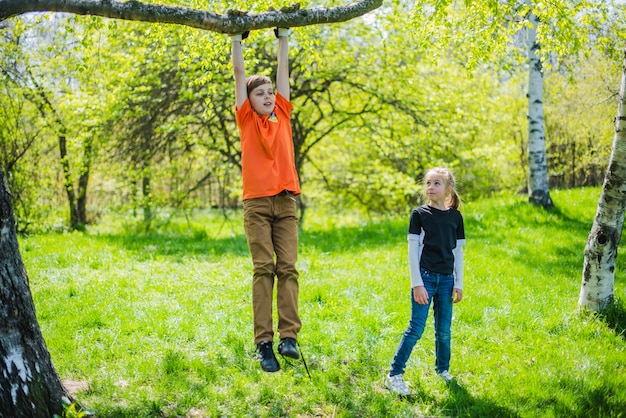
(458,271)
(239,70)
(415,253)
(420,295)
(282,72)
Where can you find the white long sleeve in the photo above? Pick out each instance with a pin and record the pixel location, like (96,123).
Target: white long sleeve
(458,264)
(415,253)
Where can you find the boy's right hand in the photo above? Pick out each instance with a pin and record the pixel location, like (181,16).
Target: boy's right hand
(240,36)
(278,32)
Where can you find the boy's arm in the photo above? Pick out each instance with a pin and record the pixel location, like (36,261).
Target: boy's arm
(282,72)
(239,70)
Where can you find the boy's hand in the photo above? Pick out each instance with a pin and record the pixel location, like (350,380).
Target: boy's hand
(290,9)
(235,12)
(281,32)
(240,36)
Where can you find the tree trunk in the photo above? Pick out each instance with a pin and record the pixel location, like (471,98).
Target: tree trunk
(78,213)
(146,202)
(67,180)
(538,190)
(83,183)
(81,201)
(596,291)
(30,386)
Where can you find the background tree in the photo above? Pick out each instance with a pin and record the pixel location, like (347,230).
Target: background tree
(580,137)
(598,277)
(24,136)
(50,68)
(18,135)
(538,188)
(495,34)
(149,119)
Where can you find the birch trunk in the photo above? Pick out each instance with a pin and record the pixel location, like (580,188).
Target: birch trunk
(596,291)
(29,385)
(538,190)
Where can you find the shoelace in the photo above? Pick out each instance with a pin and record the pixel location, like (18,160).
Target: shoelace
(303,360)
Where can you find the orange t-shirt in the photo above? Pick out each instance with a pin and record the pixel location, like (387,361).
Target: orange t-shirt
(267,158)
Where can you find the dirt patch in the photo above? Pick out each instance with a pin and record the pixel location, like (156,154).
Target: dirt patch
(75,386)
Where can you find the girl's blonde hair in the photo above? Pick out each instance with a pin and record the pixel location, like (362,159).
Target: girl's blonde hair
(450,181)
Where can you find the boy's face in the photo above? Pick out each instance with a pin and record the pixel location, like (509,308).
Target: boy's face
(262,99)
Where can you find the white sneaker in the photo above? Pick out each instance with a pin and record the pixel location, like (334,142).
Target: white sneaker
(446,376)
(396,384)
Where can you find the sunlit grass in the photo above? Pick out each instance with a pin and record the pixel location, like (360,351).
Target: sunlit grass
(160,324)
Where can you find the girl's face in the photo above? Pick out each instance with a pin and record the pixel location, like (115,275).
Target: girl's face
(262,99)
(436,188)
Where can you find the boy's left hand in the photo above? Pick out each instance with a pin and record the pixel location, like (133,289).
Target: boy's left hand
(240,36)
(457,294)
(278,32)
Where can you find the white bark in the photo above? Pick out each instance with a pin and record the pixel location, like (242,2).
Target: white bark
(538,189)
(233,22)
(598,279)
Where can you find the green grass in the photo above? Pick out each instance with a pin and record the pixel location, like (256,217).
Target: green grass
(160,325)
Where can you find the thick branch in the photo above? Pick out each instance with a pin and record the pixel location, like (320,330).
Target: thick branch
(215,22)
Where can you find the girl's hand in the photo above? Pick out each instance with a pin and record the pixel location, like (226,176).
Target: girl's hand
(457,294)
(420,295)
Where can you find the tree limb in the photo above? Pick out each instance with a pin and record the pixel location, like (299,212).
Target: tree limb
(233,22)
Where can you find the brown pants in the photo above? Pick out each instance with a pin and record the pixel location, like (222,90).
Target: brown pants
(271,226)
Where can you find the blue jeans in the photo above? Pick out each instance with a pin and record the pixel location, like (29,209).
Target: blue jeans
(439,288)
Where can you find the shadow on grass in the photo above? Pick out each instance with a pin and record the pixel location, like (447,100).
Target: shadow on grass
(615,317)
(522,214)
(513,229)
(202,238)
(461,403)
(576,399)
(349,239)
(196,241)
(177,245)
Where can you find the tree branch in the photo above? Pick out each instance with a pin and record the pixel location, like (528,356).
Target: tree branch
(233,22)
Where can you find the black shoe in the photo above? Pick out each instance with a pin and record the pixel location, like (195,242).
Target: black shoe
(265,353)
(287,347)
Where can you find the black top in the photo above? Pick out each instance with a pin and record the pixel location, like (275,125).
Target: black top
(442,229)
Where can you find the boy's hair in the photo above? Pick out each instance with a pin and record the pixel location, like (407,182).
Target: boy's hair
(255,81)
(450,180)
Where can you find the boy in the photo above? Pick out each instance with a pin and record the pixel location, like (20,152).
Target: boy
(270,185)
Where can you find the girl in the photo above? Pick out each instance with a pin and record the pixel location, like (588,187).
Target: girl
(436,238)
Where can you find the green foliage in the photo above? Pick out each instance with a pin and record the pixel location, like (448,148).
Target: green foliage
(579,135)
(72,410)
(493,32)
(160,324)
(147,110)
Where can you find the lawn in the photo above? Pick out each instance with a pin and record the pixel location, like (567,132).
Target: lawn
(160,325)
